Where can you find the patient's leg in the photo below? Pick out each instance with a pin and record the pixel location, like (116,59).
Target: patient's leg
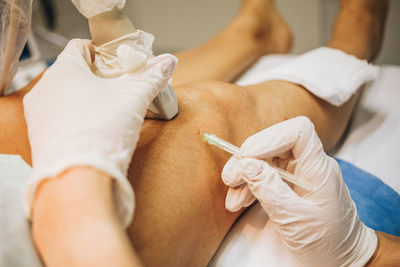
(13,132)
(258,29)
(360,27)
(180,216)
(358,31)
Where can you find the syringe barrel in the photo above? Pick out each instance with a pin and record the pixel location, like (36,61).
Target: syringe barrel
(234,150)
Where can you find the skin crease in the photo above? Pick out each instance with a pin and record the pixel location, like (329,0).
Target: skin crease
(180,197)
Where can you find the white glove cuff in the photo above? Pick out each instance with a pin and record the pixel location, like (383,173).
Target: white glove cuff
(123,192)
(328,73)
(367,244)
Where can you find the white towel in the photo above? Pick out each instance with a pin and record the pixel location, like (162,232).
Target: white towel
(328,73)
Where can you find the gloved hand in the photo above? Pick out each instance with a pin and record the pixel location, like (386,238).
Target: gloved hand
(320,227)
(75,118)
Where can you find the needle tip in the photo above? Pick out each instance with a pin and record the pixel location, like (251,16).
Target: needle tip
(205,136)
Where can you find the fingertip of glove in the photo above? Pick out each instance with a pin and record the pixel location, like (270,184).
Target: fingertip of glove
(231,172)
(237,197)
(231,204)
(163,65)
(169,63)
(232,209)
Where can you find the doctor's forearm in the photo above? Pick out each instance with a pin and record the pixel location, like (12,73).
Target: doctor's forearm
(388,251)
(75,223)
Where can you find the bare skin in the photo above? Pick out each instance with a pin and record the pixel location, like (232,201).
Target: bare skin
(180,218)
(258,29)
(388,252)
(177,205)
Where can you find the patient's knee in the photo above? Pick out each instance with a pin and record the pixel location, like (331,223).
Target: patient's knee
(218,96)
(216,106)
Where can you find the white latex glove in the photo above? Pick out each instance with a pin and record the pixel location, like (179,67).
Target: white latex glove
(91,8)
(321,227)
(76,118)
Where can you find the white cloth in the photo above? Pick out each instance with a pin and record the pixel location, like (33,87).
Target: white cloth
(252,241)
(91,8)
(373,138)
(16,246)
(330,74)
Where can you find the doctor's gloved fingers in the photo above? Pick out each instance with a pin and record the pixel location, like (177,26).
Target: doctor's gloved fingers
(292,135)
(238,197)
(266,185)
(77,53)
(168,63)
(164,64)
(231,173)
(160,67)
(155,75)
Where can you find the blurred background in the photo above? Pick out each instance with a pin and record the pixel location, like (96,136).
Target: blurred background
(182,24)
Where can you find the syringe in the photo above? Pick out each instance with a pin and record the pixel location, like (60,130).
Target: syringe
(212,139)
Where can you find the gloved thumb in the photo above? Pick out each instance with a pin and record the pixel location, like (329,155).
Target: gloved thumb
(266,185)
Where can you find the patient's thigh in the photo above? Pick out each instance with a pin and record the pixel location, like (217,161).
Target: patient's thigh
(180,217)
(13,131)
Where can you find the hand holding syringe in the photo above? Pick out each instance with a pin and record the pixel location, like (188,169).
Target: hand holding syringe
(212,139)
